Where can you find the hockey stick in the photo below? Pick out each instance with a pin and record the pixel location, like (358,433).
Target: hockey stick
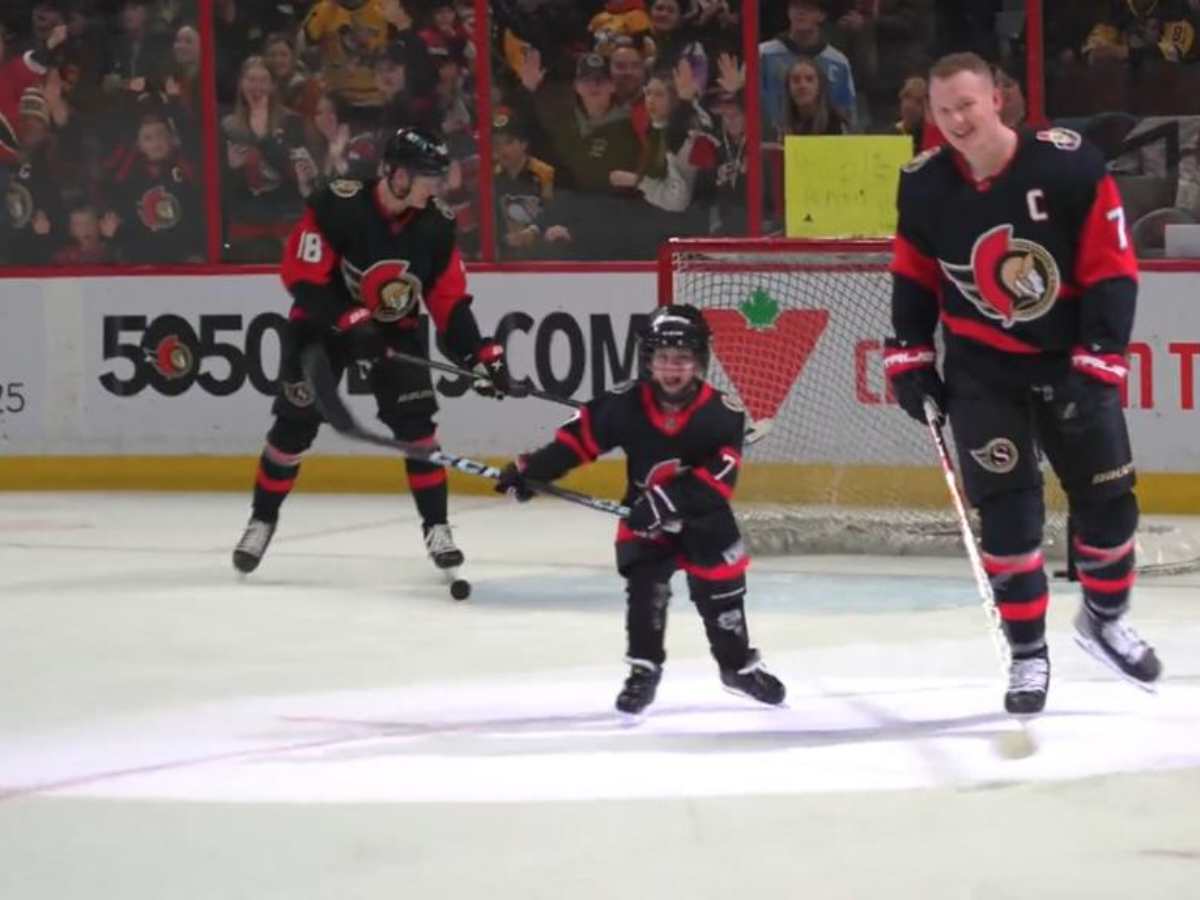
(529,390)
(755,431)
(317,369)
(1020,743)
(982,582)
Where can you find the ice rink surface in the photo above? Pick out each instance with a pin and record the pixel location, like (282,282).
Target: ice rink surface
(336,726)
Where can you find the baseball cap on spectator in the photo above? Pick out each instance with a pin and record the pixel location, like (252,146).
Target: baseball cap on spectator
(592,67)
(505,124)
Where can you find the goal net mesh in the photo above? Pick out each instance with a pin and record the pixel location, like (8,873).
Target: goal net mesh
(798,329)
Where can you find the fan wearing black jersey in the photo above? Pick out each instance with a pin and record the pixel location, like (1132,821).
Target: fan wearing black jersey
(1016,242)
(682,440)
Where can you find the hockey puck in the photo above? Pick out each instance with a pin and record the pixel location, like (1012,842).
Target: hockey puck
(460,589)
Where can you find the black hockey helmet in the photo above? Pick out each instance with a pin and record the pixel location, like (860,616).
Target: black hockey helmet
(416,150)
(678,325)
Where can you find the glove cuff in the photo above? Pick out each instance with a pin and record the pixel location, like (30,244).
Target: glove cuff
(900,357)
(1110,368)
(489,352)
(350,318)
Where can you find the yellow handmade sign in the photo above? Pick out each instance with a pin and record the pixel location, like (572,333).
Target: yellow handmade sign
(843,185)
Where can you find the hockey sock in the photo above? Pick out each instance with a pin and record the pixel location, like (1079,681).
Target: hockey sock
(430,492)
(646,618)
(1022,595)
(722,607)
(1106,574)
(276,476)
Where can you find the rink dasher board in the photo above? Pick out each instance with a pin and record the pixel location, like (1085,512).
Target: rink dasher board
(74,382)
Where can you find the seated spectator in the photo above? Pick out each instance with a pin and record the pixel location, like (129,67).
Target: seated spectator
(1012,100)
(86,243)
(445,31)
(297,89)
(403,106)
(674,37)
(589,134)
(184,81)
(329,141)
(32,199)
(729,213)
(808,108)
(804,37)
(523,187)
(672,154)
(628,73)
(914,99)
(348,35)
(404,43)
(268,170)
(139,58)
(1139,32)
(452,98)
(157,214)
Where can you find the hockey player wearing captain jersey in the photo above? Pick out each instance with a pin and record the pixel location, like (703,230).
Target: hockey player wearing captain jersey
(683,444)
(359,266)
(1016,240)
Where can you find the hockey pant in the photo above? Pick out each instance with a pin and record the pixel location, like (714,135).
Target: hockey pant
(710,551)
(998,432)
(405,401)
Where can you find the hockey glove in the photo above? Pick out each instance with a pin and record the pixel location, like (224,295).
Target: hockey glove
(361,336)
(492,378)
(653,512)
(512,481)
(1094,381)
(910,369)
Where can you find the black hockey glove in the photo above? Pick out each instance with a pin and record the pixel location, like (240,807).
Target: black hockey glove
(361,336)
(1094,381)
(512,481)
(653,512)
(492,378)
(910,369)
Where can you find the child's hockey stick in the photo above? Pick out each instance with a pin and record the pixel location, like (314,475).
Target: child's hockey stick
(317,369)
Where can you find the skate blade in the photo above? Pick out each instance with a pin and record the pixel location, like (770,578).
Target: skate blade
(727,689)
(1093,650)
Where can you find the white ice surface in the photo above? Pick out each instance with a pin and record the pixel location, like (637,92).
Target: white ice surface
(337,726)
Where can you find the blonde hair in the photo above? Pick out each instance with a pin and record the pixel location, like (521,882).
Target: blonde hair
(275,110)
(953,63)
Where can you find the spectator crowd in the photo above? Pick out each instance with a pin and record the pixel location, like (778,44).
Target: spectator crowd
(615,123)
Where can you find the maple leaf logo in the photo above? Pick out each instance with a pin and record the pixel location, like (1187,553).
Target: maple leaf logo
(760,310)
(763,348)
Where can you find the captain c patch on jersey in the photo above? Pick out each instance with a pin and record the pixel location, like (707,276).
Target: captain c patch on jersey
(1008,278)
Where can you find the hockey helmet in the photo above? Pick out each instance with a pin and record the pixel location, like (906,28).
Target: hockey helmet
(417,151)
(677,325)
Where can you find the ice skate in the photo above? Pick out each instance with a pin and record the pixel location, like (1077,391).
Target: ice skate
(638,691)
(754,681)
(1117,645)
(447,557)
(1028,682)
(250,549)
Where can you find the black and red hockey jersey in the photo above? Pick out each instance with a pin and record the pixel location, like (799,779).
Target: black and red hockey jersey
(16,76)
(695,452)
(1020,268)
(347,251)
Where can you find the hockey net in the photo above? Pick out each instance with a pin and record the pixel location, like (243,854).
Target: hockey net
(798,329)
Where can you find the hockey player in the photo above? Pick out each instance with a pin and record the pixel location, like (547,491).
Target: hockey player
(1017,241)
(682,440)
(359,265)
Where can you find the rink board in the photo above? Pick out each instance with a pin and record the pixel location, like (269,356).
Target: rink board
(80,406)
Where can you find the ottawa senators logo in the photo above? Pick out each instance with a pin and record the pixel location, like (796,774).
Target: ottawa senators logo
(389,290)
(171,357)
(998,456)
(1009,279)
(19,203)
(159,209)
